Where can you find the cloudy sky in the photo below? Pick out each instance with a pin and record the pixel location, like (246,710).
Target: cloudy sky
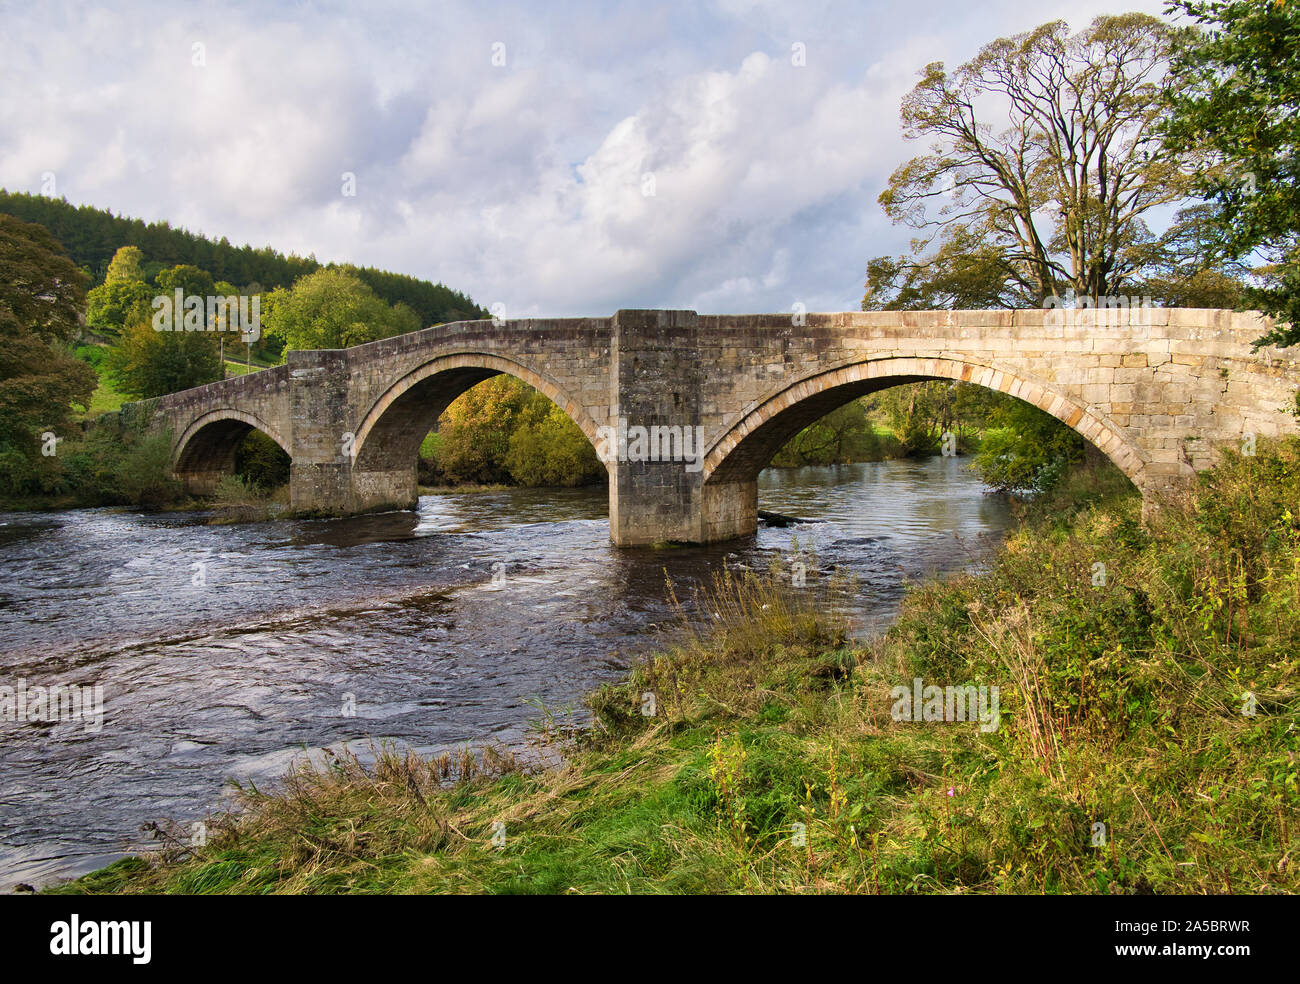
(556,159)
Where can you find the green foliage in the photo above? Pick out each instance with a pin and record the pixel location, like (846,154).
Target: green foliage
(189,279)
(504,432)
(39,284)
(261,463)
(550,449)
(39,383)
(843,436)
(332,309)
(1026,449)
(114,304)
(920,413)
(127,266)
(967,271)
(474,431)
(115,463)
(146,363)
(1236,83)
(94,236)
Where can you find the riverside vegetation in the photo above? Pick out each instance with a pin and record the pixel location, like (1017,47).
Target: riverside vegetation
(1147,741)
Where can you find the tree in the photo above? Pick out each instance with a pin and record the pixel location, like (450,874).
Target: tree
(192,281)
(1026,449)
(968,271)
(333,308)
(39,384)
(551,449)
(123,298)
(474,431)
(1058,199)
(127,265)
(1236,86)
(842,436)
(41,294)
(920,414)
(146,363)
(113,305)
(41,286)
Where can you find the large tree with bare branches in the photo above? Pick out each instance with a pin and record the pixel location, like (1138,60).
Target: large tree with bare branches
(1044,166)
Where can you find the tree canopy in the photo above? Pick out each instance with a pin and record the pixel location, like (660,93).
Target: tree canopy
(331,309)
(1055,200)
(41,286)
(93,237)
(1236,96)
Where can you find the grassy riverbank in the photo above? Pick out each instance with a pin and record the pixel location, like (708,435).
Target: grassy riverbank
(1156,696)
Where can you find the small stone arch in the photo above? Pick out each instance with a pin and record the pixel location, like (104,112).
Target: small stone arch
(749,444)
(205,450)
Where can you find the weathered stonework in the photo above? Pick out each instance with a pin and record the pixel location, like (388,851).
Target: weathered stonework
(1158,394)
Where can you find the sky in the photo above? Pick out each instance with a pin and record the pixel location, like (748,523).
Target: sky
(549,159)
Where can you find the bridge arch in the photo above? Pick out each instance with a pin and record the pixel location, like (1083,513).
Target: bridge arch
(386,443)
(746,446)
(396,423)
(205,450)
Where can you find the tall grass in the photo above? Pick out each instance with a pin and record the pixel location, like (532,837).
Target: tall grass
(1147,740)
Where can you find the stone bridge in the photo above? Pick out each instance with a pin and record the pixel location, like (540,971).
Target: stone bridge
(1156,390)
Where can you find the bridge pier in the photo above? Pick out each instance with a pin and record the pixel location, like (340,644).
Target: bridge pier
(655,442)
(320,476)
(663,502)
(393,488)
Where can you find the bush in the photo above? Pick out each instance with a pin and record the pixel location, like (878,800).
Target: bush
(1026,449)
(552,451)
(503,431)
(261,462)
(117,463)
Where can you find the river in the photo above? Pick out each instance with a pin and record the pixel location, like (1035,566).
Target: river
(226,650)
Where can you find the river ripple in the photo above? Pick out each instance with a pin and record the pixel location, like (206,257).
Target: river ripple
(224,651)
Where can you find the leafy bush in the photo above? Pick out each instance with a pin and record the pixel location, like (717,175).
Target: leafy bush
(261,462)
(503,431)
(117,463)
(1026,450)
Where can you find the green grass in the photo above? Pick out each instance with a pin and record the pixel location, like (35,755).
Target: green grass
(106,398)
(242,369)
(429,446)
(773,763)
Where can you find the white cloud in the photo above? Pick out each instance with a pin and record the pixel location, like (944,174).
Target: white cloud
(522,184)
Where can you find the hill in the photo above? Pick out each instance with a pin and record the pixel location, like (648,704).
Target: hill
(92,235)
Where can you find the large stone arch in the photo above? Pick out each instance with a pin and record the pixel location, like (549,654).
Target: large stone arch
(746,446)
(205,450)
(387,439)
(418,398)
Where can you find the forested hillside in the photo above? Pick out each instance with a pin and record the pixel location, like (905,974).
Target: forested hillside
(92,235)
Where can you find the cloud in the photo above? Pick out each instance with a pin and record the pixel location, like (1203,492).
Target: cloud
(621,157)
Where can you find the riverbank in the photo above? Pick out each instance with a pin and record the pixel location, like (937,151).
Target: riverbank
(1145,739)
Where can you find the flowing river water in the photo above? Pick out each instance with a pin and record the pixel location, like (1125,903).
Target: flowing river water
(224,651)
